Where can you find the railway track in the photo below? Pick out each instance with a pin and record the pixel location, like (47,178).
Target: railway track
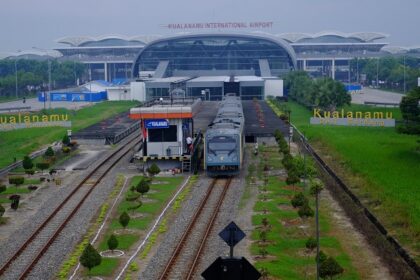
(22,262)
(185,258)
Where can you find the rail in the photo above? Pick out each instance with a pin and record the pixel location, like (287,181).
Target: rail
(172,261)
(4,268)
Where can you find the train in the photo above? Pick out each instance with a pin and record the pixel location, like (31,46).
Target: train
(224,139)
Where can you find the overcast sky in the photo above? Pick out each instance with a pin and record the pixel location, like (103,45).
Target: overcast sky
(38,23)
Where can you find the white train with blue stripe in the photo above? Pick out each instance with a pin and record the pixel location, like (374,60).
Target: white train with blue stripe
(224,139)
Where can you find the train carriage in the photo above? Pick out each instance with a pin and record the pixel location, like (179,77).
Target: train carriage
(224,139)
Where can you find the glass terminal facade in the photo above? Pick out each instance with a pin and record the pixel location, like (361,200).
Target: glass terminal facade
(210,55)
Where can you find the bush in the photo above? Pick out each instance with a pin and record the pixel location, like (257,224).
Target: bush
(2,188)
(153,169)
(142,187)
(330,268)
(42,165)
(18,180)
(124,219)
(49,152)
(30,171)
(32,187)
(112,242)
(287,161)
(322,257)
(132,196)
(304,167)
(299,200)
(305,211)
(66,139)
(66,150)
(90,257)
(292,176)
(14,201)
(27,163)
(311,243)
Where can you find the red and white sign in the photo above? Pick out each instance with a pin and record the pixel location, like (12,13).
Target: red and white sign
(220,25)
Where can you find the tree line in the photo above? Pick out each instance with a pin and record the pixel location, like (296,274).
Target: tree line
(389,70)
(33,75)
(324,93)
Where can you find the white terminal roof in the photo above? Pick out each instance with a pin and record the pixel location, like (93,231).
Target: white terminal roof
(363,36)
(76,41)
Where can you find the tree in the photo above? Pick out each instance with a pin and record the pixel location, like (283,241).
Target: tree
(90,257)
(49,152)
(66,139)
(124,219)
(153,169)
(316,187)
(142,187)
(292,176)
(42,165)
(330,268)
(27,162)
(112,242)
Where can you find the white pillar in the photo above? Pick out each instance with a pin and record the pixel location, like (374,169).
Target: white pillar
(333,69)
(106,71)
(304,64)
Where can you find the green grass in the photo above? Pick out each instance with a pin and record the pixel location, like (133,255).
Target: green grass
(385,160)
(18,143)
(124,241)
(14,190)
(106,268)
(286,248)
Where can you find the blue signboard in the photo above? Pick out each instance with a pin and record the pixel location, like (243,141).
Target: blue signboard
(157,123)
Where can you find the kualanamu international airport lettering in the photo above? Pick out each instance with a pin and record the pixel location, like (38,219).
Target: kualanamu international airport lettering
(20,121)
(350,118)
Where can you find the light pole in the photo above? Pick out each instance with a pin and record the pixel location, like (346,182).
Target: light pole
(49,82)
(404,75)
(16,78)
(377,73)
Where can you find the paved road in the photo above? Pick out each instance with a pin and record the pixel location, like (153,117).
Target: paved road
(36,105)
(375,95)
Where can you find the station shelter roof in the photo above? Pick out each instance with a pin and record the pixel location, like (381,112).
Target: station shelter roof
(166,111)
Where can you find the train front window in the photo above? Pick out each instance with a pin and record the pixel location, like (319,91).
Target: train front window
(222,143)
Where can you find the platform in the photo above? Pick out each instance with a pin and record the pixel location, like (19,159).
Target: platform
(261,121)
(205,115)
(109,131)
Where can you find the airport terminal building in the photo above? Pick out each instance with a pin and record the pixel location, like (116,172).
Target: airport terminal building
(211,64)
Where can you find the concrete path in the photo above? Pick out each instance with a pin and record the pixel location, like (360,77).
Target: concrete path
(37,106)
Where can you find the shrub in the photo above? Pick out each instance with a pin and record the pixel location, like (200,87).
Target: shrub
(299,200)
(292,177)
(66,139)
(49,152)
(132,196)
(330,268)
(153,169)
(287,161)
(322,257)
(66,150)
(42,165)
(112,242)
(305,211)
(14,201)
(27,163)
(304,167)
(311,243)
(18,180)
(142,187)
(136,206)
(32,187)
(124,219)
(2,188)
(30,171)
(316,187)
(90,257)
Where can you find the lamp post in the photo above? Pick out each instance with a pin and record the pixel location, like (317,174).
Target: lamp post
(16,78)
(404,76)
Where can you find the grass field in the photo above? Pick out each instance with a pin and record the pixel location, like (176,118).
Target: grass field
(154,201)
(19,143)
(379,164)
(287,256)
